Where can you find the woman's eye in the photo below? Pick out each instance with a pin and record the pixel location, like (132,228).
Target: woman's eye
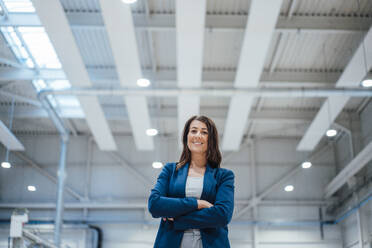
(193,131)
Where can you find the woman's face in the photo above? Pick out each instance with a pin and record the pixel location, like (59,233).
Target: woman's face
(197,138)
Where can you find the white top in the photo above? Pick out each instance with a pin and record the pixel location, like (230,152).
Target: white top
(194,188)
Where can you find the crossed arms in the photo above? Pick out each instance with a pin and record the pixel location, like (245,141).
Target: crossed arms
(185,211)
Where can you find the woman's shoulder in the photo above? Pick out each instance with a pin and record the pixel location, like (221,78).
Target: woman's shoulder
(225,173)
(170,166)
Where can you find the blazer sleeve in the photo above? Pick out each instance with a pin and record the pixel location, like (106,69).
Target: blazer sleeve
(217,216)
(160,205)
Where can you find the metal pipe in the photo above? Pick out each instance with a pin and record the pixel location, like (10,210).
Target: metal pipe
(292,8)
(55,118)
(359,223)
(62,164)
(254,191)
(88,176)
(60,193)
(4,10)
(10,128)
(142,204)
(212,92)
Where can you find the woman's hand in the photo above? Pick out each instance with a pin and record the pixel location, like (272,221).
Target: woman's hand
(165,219)
(204,204)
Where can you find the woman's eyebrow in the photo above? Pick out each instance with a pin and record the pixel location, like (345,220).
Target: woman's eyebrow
(204,128)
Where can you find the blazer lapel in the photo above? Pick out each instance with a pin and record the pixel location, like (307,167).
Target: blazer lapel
(180,183)
(209,185)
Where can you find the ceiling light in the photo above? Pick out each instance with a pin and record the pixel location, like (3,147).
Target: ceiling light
(31,188)
(129,1)
(306,165)
(289,188)
(151,132)
(143,82)
(331,132)
(157,165)
(6,165)
(367,83)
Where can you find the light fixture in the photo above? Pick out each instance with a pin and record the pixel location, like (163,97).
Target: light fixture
(143,82)
(289,188)
(31,188)
(151,132)
(6,165)
(157,165)
(306,165)
(367,82)
(331,132)
(129,1)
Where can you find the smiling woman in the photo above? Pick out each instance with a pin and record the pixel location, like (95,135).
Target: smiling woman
(194,197)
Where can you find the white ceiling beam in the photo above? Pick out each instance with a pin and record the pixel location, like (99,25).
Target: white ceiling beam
(218,23)
(350,170)
(353,74)
(118,20)
(60,34)
(259,30)
(9,140)
(190,19)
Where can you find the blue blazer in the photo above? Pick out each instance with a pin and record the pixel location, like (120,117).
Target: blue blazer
(168,199)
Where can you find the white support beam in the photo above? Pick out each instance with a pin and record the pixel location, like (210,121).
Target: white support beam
(350,170)
(9,140)
(353,74)
(118,20)
(60,34)
(190,22)
(258,33)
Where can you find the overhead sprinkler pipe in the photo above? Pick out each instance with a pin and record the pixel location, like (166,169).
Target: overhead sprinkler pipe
(64,134)
(213,92)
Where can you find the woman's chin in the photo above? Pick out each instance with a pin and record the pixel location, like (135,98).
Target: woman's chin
(197,151)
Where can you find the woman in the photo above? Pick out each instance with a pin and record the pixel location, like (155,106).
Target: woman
(194,197)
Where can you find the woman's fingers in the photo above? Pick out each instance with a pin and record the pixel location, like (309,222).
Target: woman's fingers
(204,204)
(165,219)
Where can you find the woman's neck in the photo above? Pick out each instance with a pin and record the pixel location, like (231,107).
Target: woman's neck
(198,160)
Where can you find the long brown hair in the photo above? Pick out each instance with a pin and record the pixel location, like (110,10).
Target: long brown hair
(213,152)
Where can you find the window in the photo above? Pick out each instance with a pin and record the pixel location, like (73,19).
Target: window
(40,47)
(20,6)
